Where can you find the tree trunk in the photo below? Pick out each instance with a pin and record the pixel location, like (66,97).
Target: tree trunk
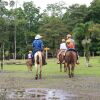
(87,58)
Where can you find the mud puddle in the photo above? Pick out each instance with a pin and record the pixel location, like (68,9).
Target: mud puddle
(35,94)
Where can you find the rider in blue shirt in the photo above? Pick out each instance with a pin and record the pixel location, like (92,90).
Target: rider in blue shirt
(38,45)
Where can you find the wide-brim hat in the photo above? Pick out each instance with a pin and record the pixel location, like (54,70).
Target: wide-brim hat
(30,51)
(69,35)
(38,36)
(63,40)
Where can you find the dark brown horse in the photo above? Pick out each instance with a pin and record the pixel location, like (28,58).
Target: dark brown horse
(29,64)
(62,60)
(70,60)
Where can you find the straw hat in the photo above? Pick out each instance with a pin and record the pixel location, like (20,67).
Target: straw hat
(30,51)
(63,40)
(69,36)
(38,36)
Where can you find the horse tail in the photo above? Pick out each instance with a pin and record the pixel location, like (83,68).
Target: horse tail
(69,57)
(38,58)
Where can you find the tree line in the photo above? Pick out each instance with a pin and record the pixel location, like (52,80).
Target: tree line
(19,25)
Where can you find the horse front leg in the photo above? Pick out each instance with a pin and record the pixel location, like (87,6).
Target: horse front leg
(60,67)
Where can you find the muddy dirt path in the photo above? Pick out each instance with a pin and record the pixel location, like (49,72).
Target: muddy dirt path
(53,87)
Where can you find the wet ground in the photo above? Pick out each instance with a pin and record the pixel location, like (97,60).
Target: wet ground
(22,86)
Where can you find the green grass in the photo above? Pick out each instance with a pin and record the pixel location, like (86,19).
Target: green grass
(53,69)
(93,70)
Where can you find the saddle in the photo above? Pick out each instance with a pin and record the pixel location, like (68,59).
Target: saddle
(70,49)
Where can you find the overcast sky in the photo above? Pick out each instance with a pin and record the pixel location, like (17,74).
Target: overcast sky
(42,3)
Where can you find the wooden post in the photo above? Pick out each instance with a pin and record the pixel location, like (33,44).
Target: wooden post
(2,65)
(46,50)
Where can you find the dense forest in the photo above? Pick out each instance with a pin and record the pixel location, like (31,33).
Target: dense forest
(19,25)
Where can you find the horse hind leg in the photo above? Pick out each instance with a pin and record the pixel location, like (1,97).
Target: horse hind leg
(36,76)
(40,75)
(69,71)
(72,71)
(40,65)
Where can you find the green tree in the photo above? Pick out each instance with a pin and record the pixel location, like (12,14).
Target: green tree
(56,9)
(53,29)
(95,39)
(93,12)
(83,31)
(74,14)
(32,15)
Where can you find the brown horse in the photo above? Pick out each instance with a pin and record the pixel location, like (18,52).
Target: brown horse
(29,64)
(61,60)
(70,60)
(38,64)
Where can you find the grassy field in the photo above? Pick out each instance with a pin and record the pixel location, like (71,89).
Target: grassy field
(53,69)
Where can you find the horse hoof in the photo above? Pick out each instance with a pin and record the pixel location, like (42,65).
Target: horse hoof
(69,76)
(72,75)
(36,77)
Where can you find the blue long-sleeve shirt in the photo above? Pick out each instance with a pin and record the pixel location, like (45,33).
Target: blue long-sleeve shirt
(37,45)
